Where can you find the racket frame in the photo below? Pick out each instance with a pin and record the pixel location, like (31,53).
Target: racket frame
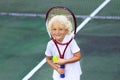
(74,19)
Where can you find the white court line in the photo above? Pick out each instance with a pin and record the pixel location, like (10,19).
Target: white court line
(29,75)
(92,15)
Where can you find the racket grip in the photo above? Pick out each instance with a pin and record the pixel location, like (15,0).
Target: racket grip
(62,75)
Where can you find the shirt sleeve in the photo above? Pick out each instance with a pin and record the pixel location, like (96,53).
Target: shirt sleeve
(74,47)
(48,51)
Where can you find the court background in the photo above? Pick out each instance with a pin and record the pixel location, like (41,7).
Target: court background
(23,39)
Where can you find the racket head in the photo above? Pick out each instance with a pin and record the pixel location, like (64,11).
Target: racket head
(61,11)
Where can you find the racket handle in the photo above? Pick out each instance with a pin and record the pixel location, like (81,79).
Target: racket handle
(62,75)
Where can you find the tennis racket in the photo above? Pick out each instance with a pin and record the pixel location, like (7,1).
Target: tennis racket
(68,14)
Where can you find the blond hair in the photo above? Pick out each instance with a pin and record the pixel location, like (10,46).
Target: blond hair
(63,20)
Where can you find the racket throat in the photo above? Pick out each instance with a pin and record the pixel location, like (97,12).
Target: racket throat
(62,56)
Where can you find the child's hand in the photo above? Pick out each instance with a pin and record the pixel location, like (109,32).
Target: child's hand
(60,70)
(60,61)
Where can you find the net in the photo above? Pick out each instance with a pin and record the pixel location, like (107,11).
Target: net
(111,11)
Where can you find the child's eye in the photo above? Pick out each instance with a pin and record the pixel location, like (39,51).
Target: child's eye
(60,29)
(54,29)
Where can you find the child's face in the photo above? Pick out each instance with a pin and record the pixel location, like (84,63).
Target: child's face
(58,31)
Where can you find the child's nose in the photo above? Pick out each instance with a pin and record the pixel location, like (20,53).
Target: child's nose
(57,31)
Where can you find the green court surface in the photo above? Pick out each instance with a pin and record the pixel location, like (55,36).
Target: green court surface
(23,39)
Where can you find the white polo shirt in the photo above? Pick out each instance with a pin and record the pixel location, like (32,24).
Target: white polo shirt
(72,70)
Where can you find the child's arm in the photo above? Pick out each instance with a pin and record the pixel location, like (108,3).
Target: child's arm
(50,62)
(76,57)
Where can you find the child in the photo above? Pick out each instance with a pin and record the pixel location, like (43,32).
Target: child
(60,27)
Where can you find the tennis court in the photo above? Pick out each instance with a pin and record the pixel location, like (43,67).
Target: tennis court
(23,38)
